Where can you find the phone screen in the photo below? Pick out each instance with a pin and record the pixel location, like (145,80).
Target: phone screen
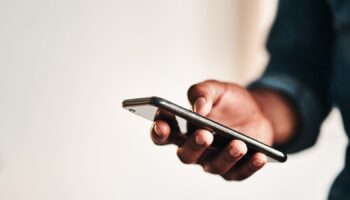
(154,113)
(181,128)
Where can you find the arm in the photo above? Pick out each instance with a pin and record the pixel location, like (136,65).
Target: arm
(300,48)
(285,107)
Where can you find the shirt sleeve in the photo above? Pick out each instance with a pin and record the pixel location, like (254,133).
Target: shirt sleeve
(300,47)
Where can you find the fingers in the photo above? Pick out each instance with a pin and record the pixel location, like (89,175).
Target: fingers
(204,95)
(225,163)
(194,146)
(257,161)
(191,149)
(160,132)
(227,158)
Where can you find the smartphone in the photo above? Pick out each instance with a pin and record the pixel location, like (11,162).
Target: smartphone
(184,122)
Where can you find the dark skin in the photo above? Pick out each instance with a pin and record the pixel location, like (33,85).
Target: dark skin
(261,114)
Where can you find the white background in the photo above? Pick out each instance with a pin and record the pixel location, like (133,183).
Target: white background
(66,66)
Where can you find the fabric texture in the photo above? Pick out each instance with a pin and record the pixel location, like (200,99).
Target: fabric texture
(309,48)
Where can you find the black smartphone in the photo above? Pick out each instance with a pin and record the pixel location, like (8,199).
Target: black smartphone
(184,122)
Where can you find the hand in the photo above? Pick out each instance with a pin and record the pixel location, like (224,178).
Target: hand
(234,107)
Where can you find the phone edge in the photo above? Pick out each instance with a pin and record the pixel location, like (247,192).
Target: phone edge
(251,142)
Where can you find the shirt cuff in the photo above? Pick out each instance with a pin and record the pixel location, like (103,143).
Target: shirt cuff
(308,109)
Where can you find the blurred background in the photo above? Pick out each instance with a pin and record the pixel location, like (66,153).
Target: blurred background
(66,66)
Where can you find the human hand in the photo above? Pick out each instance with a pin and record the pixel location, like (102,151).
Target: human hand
(232,106)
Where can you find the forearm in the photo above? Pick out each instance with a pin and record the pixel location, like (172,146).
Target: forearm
(279,111)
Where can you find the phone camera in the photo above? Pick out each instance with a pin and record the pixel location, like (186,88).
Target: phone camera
(132,110)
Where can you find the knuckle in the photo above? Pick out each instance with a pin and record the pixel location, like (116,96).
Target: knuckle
(227,178)
(182,157)
(228,158)
(251,169)
(218,168)
(256,165)
(194,88)
(213,169)
(233,177)
(240,178)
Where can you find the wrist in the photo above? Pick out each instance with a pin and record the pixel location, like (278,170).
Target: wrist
(279,111)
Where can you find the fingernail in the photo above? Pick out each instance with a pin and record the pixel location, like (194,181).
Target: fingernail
(199,140)
(258,163)
(157,131)
(200,102)
(234,152)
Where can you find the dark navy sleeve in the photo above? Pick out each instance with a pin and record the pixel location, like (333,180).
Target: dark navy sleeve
(300,47)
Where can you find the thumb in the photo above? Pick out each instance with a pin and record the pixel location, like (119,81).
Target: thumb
(204,95)
(202,106)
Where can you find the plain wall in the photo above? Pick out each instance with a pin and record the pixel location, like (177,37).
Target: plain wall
(66,66)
